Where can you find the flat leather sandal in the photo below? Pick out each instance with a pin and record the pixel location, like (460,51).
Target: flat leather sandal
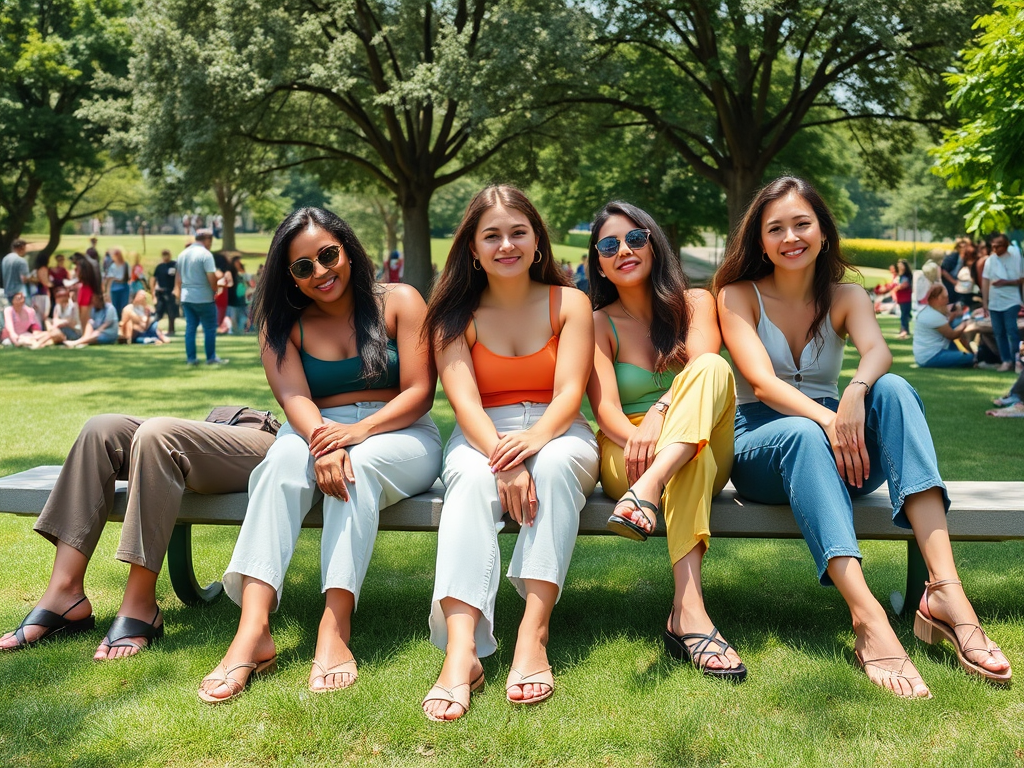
(892,674)
(55,625)
(930,630)
(535,679)
(258,668)
(335,670)
(693,646)
(627,528)
(123,627)
(448,695)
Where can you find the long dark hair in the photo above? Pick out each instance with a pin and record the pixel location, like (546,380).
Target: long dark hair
(87,275)
(744,253)
(278,303)
(457,292)
(671,321)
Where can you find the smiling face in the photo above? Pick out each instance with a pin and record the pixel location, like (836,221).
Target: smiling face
(790,233)
(628,266)
(504,243)
(325,285)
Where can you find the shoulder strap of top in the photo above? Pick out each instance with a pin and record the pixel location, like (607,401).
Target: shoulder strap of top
(552,310)
(616,334)
(760,304)
(476,335)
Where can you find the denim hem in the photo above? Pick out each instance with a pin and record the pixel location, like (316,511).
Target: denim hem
(899,517)
(823,578)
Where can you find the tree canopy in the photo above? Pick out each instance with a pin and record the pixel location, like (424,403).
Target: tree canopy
(52,56)
(985,154)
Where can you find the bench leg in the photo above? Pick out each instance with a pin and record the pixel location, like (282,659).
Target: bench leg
(181,572)
(917,575)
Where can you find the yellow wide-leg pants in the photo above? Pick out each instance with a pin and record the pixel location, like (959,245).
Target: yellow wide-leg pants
(701,411)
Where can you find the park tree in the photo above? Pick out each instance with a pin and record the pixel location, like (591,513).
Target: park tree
(53,54)
(414,94)
(984,155)
(730,84)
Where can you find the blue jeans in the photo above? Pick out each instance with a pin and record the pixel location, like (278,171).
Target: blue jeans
(950,357)
(239,316)
(905,308)
(204,314)
(1004,328)
(782,459)
(119,297)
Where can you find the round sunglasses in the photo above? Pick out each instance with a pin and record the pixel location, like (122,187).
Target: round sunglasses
(302,269)
(635,238)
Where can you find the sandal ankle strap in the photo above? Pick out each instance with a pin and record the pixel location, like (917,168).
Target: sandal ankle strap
(942,582)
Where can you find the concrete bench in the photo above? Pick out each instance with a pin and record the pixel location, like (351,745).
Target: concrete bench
(981,511)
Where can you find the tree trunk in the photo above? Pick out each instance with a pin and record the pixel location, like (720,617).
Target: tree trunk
(56,225)
(391,226)
(416,241)
(18,215)
(226,205)
(741,184)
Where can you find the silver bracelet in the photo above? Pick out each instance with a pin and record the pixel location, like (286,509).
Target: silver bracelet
(866,385)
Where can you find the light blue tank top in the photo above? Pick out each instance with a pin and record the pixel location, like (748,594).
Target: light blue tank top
(821,360)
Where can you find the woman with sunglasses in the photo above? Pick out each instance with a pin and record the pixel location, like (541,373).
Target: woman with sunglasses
(513,346)
(347,360)
(785,312)
(665,402)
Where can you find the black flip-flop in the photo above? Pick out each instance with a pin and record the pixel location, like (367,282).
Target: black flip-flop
(627,528)
(54,623)
(123,627)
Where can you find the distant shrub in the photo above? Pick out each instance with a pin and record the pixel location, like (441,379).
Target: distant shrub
(882,253)
(577,239)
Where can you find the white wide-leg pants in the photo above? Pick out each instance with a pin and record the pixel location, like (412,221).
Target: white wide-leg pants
(565,472)
(388,467)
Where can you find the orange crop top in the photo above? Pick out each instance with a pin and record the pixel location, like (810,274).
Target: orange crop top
(505,380)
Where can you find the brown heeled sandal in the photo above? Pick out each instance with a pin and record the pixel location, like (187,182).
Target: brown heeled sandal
(932,631)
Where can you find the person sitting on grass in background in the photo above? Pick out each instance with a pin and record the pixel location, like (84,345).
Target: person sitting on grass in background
(64,323)
(1001,297)
(41,287)
(885,301)
(934,332)
(138,281)
(137,323)
(21,324)
(102,325)
(153,455)
(1011,405)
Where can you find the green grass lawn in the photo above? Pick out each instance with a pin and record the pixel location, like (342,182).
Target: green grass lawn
(620,700)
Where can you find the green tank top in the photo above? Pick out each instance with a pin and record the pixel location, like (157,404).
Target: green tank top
(332,377)
(639,388)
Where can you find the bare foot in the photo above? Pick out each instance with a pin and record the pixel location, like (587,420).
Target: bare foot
(242,651)
(71,607)
(460,670)
(695,620)
(530,663)
(886,662)
(129,646)
(948,603)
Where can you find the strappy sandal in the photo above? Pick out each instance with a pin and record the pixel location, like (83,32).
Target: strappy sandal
(54,623)
(532,679)
(891,674)
(336,669)
(440,693)
(693,646)
(626,527)
(930,630)
(258,668)
(123,627)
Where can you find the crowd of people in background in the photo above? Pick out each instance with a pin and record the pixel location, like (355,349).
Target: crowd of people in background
(88,299)
(967,308)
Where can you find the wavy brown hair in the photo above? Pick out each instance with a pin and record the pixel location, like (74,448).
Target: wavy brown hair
(743,254)
(671,321)
(457,293)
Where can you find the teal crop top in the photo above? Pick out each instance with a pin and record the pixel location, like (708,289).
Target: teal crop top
(333,377)
(639,388)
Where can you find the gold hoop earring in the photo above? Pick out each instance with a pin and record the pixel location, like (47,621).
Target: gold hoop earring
(538,256)
(824,245)
(765,259)
(289,300)
(476,265)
